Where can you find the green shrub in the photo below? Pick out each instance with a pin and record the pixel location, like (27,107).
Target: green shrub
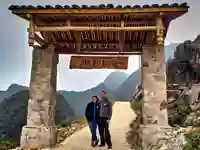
(136,106)
(193,141)
(181,111)
(66,123)
(5,144)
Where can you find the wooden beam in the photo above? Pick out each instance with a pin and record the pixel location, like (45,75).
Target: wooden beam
(90,28)
(78,41)
(93,46)
(100,53)
(100,11)
(121,38)
(69,49)
(93,42)
(53,38)
(93,23)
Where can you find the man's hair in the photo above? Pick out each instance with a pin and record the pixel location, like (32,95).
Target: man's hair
(103,92)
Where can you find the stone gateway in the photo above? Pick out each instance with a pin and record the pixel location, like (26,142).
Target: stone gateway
(104,30)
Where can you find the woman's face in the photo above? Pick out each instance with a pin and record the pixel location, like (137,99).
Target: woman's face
(94,99)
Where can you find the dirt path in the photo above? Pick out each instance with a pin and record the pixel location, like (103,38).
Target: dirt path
(119,126)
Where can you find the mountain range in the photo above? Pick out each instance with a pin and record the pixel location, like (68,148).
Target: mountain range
(70,104)
(13,113)
(118,85)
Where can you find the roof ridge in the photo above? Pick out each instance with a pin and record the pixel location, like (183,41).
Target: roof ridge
(101,6)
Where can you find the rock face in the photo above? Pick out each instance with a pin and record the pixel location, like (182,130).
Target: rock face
(13,114)
(185,66)
(175,140)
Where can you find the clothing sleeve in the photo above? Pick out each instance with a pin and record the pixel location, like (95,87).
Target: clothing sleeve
(86,111)
(110,110)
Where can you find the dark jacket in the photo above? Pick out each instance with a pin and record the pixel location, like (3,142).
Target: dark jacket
(89,112)
(105,108)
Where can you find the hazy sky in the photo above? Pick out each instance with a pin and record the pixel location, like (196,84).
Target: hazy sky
(15,55)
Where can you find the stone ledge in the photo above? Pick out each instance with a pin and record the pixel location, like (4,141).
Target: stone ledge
(38,136)
(150,134)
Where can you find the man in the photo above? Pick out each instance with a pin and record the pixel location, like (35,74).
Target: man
(91,114)
(105,113)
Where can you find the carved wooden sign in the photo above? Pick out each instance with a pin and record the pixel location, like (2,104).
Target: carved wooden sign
(98,62)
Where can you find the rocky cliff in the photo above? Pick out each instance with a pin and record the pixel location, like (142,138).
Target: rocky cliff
(184,67)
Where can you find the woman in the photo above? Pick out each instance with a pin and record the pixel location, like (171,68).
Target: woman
(92,115)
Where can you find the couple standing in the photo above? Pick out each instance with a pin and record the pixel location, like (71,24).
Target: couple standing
(98,113)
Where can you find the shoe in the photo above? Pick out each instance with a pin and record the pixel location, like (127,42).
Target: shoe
(96,142)
(101,145)
(93,145)
(109,147)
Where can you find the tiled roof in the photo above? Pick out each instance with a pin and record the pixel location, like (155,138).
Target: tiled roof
(101,6)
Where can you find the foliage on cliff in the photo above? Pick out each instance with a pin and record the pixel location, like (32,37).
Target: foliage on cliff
(193,141)
(180,113)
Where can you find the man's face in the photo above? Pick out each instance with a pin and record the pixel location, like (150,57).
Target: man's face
(94,99)
(102,94)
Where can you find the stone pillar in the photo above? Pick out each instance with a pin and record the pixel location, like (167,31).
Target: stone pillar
(155,120)
(40,130)
(154,86)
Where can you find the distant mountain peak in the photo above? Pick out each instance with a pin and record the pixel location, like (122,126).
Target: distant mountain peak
(14,88)
(14,85)
(115,79)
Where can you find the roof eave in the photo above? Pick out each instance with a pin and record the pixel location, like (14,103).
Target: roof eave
(98,11)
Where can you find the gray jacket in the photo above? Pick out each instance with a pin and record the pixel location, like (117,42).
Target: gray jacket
(105,108)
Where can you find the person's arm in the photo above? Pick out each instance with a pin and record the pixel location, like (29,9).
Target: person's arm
(110,110)
(86,111)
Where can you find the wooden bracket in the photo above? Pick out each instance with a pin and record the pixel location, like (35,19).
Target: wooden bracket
(40,41)
(160,30)
(31,31)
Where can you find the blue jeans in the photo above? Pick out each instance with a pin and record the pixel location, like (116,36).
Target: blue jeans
(93,129)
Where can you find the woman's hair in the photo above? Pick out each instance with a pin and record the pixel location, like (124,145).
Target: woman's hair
(96,98)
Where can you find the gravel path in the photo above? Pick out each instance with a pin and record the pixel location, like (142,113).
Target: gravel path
(119,126)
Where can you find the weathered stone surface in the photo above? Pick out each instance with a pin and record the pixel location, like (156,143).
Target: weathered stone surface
(150,134)
(155,119)
(38,137)
(174,141)
(154,85)
(41,104)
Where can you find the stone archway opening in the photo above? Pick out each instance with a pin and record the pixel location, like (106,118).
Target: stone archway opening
(109,35)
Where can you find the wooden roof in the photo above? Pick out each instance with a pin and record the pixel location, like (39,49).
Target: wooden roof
(100,16)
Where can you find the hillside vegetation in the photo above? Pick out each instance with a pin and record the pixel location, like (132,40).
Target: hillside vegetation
(13,114)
